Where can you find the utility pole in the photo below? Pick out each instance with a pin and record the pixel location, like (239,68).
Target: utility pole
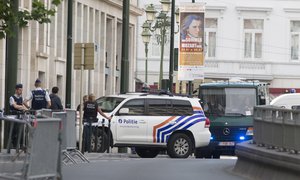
(69,55)
(125,47)
(171,66)
(190,82)
(11,67)
(125,62)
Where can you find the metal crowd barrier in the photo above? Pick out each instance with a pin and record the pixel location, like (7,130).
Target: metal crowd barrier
(42,154)
(70,154)
(277,128)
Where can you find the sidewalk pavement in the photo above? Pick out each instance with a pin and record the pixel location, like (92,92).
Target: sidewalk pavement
(93,157)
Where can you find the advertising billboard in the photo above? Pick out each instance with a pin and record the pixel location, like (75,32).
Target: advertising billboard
(191,42)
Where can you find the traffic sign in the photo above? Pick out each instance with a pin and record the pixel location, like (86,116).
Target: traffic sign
(87,51)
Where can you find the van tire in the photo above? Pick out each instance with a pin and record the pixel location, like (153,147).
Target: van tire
(101,147)
(146,152)
(179,146)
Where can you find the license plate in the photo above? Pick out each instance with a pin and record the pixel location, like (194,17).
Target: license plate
(226,144)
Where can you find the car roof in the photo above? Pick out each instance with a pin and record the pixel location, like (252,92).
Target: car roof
(146,95)
(286,99)
(230,84)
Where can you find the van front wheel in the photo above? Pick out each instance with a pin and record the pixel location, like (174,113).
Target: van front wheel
(146,152)
(179,146)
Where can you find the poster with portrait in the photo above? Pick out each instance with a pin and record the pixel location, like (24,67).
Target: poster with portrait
(191,42)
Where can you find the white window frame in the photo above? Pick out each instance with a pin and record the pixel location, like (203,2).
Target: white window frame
(207,45)
(291,34)
(252,32)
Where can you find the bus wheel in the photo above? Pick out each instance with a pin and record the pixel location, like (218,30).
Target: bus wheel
(216,155)
(201,153)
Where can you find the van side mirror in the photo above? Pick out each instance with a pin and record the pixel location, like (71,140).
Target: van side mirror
(124,111)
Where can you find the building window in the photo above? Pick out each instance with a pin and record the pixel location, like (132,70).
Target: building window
(295,39)
(211,25)
(253,33)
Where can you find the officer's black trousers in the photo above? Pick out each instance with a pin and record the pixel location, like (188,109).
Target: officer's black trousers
(87,133)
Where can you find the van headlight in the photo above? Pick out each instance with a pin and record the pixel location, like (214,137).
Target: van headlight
(249,131)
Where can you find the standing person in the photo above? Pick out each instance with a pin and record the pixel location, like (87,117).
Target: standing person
(16,108)
(55,100)
(40,97)
(16,101)
(91,110)
(85,99)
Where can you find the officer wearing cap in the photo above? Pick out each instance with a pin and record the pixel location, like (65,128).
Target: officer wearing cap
(16,101)
(40,97)
(16,108)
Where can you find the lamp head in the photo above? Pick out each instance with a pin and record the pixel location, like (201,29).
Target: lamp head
(177,15)
(146,25)
(165,5)
(146,36)
(150,12)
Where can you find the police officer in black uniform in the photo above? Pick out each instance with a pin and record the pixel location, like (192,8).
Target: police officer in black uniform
(16,108)
(40,97)
(91,110)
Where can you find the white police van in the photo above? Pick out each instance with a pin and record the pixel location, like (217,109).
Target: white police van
(151,123)
(288,101)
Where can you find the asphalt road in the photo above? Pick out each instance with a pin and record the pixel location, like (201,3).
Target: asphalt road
(152,169)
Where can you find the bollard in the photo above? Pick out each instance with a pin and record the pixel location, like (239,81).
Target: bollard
(108,134)
(96,138)
(102,134)
(12,124)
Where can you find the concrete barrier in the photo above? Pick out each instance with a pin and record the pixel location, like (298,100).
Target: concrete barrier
(277,128)
(275,153)
(261,163)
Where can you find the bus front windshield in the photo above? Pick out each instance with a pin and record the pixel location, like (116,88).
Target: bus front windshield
(108,104)
(228,101)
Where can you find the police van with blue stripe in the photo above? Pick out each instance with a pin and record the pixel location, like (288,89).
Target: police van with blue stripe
(152,123)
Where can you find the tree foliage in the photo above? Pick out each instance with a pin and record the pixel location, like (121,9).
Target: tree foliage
(9,17)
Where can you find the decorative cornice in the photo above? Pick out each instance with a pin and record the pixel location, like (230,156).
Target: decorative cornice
(60,59)
(119,4)
(215,8)
(42,55)
(253,9)
(219,9)
(292,10)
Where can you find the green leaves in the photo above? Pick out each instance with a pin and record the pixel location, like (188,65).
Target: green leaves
(9,17)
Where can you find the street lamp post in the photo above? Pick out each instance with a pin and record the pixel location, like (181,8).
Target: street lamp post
(146,39)
(160,23)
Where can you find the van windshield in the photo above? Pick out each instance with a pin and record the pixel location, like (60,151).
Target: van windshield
(228,101)
(108,104)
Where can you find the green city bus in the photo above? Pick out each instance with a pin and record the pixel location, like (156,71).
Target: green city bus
(229,106)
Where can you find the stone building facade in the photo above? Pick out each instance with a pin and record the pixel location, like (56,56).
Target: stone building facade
(42,48)
(253,40)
